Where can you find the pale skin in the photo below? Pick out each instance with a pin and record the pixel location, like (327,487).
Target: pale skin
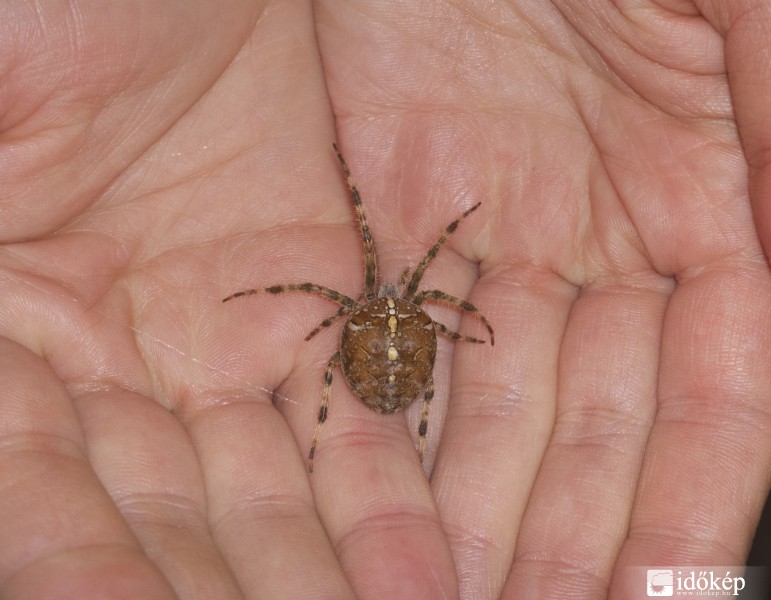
(157,156)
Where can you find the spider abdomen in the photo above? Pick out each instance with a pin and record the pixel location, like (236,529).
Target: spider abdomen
(387,353)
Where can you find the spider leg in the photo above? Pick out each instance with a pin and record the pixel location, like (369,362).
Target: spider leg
(328,321)
(370,260)
(417,275)
(333,362)
(403,278)
(423,427)
(454,335)
(462,304)
(310,288)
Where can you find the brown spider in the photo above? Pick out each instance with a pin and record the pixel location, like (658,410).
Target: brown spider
(388,344)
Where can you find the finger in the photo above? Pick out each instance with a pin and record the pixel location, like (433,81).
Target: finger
(377,506)
(147,464)
(259,506)
(498,423)
(370,491)
(579,507)
(261,509)
(705,475)
(60,530)
(745,26)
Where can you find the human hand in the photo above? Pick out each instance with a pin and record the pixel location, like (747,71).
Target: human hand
(156,440)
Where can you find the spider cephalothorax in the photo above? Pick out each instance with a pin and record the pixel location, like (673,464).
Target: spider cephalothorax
(388,343)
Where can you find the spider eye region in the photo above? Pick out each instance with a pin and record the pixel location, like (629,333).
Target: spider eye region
(387,353)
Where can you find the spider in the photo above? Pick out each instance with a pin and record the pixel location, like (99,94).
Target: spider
(388,343)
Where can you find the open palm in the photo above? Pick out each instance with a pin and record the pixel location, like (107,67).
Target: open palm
(156,157)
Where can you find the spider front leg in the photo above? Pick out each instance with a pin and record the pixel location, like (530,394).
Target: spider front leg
(347,303)
(462,304)
(370,260)
(417,274)
(333,362)
(310,288)
(403,278)
(328,321)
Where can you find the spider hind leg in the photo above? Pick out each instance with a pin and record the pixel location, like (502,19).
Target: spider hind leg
(333,362)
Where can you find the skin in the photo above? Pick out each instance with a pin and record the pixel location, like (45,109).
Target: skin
(157,156)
